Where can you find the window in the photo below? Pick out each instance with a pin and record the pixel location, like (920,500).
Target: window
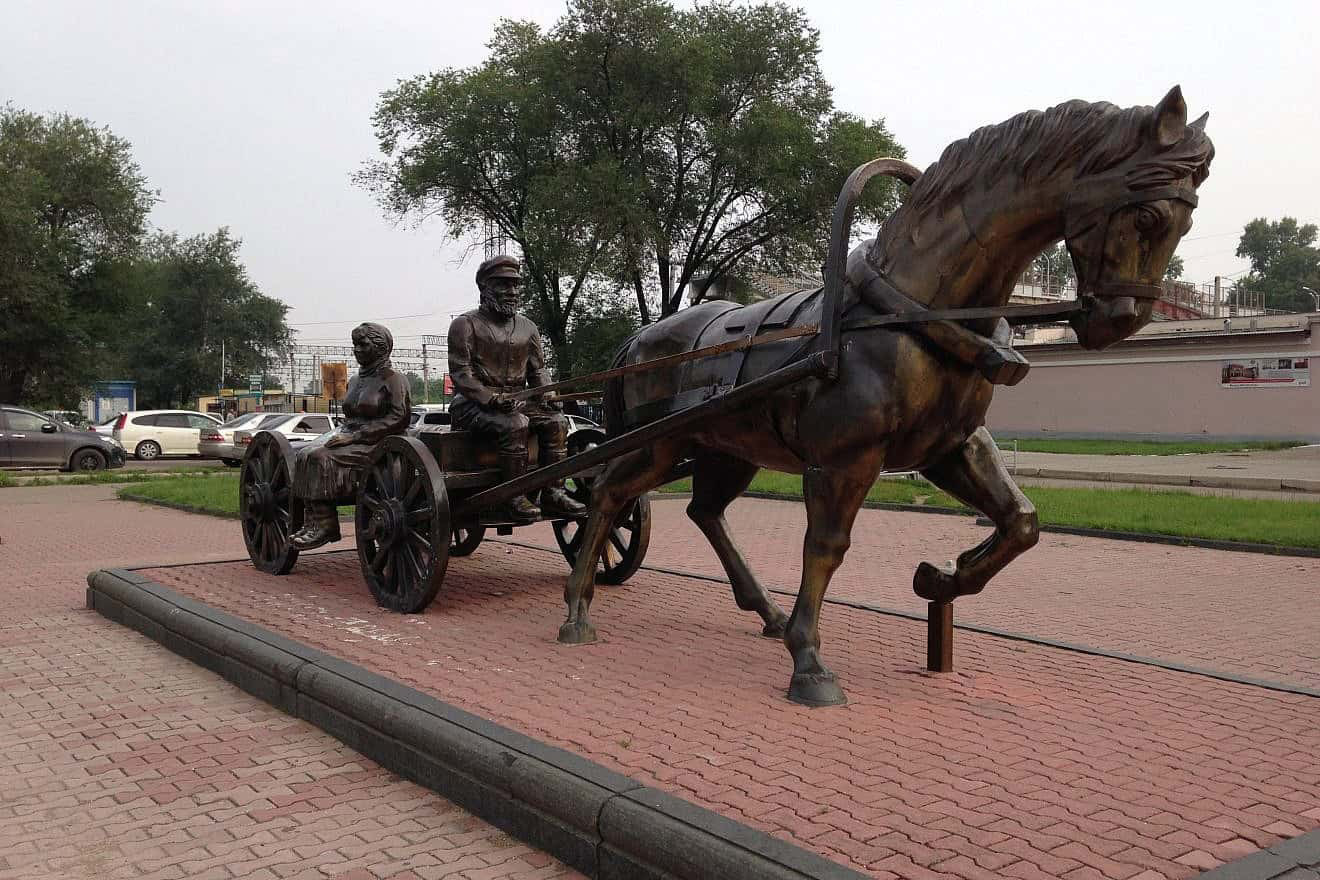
(437,418)
(317,424)
(199,421)
(173,420)
(147,421)
(270,421)
(25,421)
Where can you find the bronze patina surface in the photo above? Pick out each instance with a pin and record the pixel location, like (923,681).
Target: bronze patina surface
(1117,185)
(494,353)
(376,406)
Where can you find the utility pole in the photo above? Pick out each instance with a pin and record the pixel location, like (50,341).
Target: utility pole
(426,385)
(220,386)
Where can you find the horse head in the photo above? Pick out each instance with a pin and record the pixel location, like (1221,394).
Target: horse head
(1121,225)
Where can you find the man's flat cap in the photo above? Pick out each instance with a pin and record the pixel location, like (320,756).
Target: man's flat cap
(503,266)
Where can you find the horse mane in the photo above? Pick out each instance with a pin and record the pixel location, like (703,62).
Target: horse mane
(1086,138)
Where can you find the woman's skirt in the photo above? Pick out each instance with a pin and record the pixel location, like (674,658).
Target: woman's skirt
(323,473)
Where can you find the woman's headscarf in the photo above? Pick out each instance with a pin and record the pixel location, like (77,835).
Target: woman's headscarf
(382,341)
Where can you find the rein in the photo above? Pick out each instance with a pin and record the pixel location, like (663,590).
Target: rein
(1016,315)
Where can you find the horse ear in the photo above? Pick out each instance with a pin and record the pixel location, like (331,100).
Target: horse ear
(1199,124)
(1170,120)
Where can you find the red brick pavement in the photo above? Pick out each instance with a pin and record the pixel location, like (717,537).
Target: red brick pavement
(119,759)
(1245,613)
(1027,762)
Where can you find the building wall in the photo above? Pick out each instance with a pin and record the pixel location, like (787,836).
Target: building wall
(1166,381)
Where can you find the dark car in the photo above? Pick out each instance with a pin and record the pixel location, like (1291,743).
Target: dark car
(30,439)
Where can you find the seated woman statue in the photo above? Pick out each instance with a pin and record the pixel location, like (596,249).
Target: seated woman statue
(375,406)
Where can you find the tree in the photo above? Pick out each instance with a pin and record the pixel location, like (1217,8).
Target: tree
(73,205)
(485,144)
(1175,268)
(598,331)
(1053,268)
(190,298)
(721,134)
(1284,259)
(640,143)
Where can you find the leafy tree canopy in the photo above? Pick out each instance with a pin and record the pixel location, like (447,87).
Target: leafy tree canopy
(1284,259)
(191,297)
(73,205)
(633,142)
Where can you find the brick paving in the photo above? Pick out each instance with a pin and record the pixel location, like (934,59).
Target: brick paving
(1247,614)
(1027,762)
(119,759)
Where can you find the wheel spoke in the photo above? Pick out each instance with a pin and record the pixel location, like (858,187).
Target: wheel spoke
(418,540)
(616,538)
(414,563)
(410,496)
(420,516)
(389,574)
(396,474)
(257,471)
(378,562)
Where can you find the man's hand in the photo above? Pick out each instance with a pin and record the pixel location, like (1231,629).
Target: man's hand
(506,403)
(341,439)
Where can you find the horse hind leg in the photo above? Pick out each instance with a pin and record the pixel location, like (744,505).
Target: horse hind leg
(975,474)
(623,479)
(718,479)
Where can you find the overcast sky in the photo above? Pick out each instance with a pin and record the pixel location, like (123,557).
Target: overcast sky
(254,115)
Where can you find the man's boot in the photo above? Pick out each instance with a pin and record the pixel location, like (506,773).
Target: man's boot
(322,527)
(555,502)
(520,510)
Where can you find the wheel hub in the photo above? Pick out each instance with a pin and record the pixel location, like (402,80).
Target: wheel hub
(389,522)
(261,500)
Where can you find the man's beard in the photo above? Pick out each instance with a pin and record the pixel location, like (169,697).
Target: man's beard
(491,303)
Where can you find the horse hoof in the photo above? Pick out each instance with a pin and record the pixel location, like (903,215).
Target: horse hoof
(935,584)
(577,633)
(775,629)
(816,690)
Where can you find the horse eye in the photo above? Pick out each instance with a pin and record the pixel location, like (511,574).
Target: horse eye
(1147,219)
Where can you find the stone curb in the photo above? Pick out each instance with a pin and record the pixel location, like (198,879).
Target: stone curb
(1294,859)
(1267,484)
(599,822)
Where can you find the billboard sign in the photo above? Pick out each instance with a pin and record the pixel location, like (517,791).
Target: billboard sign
(1278,372)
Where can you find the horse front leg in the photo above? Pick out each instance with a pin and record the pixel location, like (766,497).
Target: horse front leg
(975,474)
(624,479)
(833,498)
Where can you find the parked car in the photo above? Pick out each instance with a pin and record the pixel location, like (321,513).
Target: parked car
(218,441)
(298,427)
(29,439)
(577,423)
(428,414)
(148,434)
(105,427)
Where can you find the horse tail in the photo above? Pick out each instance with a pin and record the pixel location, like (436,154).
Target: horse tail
(614,390)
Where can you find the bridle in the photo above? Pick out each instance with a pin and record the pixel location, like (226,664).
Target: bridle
(1093,204)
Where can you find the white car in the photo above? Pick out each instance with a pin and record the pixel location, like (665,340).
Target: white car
(428,414)
(218,442)
(298,427)
(151,433)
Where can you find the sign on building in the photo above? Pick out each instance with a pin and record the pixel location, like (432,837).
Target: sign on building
(1282,372)
(334,380)
(255,382)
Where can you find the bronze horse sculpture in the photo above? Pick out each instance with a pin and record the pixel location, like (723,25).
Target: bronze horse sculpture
(1117,185)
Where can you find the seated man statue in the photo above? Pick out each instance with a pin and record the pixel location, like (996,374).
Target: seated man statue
(495,352)
(376,405)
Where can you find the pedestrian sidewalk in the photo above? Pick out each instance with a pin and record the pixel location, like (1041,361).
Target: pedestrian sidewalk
(119,759)
(1294,470)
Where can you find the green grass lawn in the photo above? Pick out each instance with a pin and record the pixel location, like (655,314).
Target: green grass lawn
(216,494)
(1133,447)
(1179,514)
